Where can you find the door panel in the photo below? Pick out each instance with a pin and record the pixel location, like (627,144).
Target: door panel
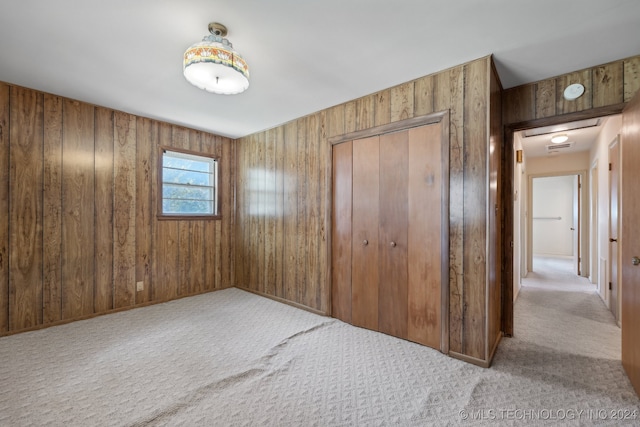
(424,235)
(341,232)
(392,308)
(614,176)
(630,241)
(364,291)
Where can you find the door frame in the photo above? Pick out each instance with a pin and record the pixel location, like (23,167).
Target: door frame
(506,180)
(433,118)
(615,261)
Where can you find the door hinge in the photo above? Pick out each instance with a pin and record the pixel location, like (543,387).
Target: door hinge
(609,166)
(610,287)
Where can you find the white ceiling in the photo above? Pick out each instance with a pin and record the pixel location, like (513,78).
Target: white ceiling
(304,56)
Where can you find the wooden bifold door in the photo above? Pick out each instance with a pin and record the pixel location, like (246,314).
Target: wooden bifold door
(390,233)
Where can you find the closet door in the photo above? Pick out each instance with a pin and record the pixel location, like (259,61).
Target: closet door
(341,232)
(393,297)
(425,235)
(364,288)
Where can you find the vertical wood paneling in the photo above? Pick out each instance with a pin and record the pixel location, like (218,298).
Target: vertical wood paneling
(350,117)
(608,84)
(103,298)
(383,108)
(545,105)
(604,85)
(270,208)
(449,94)
(631,77)
(279,237)
(196,234)
(323,293)
(290,209)
(124,207)
(167,266)
(402,102)
(259,174)
(365,112)
(302,202)
(521,101)
(78,227)
(240,215)
(4,206)
(52,210)
(341,251)
(25,208)
(364,224)
(212,230)
(475,209)
(79,192)
(146,135)
(424,95)
(313,235)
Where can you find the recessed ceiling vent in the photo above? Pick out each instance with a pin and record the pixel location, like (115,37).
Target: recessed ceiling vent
(556,148)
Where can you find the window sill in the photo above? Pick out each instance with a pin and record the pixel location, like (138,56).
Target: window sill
(189,217)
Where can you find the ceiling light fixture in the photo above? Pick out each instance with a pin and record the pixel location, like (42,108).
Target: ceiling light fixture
(559,139)
(214,66)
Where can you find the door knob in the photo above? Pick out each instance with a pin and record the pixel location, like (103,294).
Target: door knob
(393,244)
(573,229)
(613,240)
(635,260)
(365,242)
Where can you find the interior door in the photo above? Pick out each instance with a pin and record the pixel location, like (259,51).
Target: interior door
(629,244)
(393,297)
(366,205)
(614,206)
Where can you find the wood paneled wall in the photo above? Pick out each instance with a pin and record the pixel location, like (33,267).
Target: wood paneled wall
(78,227)
(605,85)
(283,189)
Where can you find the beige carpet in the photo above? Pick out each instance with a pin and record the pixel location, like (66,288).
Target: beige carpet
(231,358)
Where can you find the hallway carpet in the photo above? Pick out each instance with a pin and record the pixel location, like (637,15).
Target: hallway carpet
(231,358)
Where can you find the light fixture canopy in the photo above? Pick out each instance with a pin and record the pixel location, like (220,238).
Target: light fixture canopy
(213,65)
(559,139)
(573,92)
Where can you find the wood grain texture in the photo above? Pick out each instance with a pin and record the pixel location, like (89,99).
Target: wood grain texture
(350,119)
(475,210)
(52,211)
(545,105)
(392,296)
(364,233)
(314,213)
(196,234)
(25,208)
(290,210)
(449,94)
(146,135)
(279,237)
(423,96)
(383,108)
(365,112)
(631,78)
(103,158)
(608,84)
(269,213)
(124,207)
(520,101)
(258,186)
(78,224)
(4,206)
(402,102)
(341,252)
(424,276)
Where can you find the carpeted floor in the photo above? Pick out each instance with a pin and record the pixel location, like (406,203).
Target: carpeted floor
(231,358)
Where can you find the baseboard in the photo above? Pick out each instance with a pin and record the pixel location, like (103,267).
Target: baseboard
(470,359)
(283,301)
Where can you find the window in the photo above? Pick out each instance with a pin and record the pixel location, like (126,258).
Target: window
(189,184)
